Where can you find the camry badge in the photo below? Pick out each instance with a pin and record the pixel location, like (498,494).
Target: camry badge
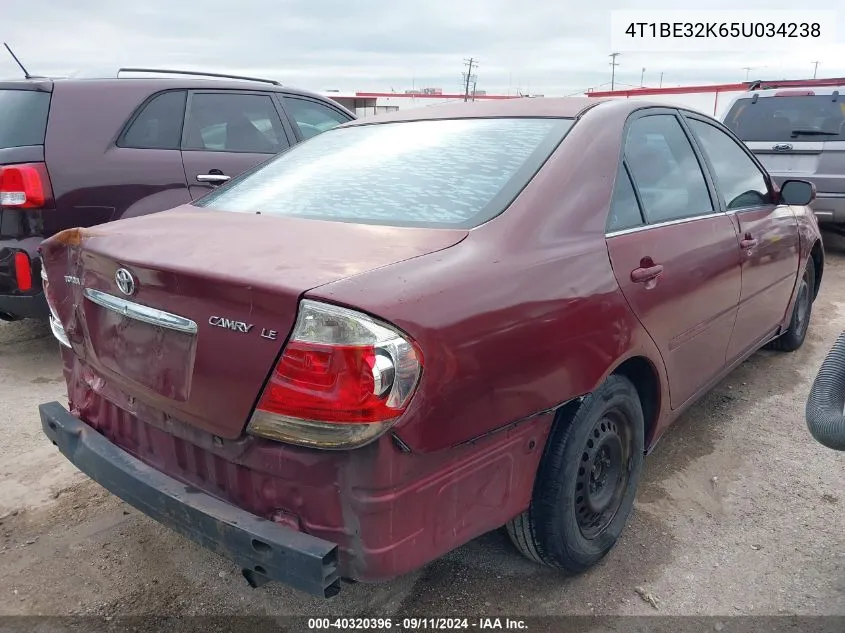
(230,324)
(125,281)
(240,326)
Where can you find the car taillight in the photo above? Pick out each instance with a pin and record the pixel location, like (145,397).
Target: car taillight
(344,378)
(25,186)
(23,271)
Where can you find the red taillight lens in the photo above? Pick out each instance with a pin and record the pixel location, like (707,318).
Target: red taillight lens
(23,271)
(25,186)
(343,379)
(326,383)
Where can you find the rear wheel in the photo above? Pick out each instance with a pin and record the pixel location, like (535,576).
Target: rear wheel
(586,482)
(794,336)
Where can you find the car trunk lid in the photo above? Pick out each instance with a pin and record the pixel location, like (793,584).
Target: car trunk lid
(215,296)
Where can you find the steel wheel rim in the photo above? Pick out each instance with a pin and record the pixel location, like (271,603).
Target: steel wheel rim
(603,474)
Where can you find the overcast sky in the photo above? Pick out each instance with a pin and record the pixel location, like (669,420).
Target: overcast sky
(542,46)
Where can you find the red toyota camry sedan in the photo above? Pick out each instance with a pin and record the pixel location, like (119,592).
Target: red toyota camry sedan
(416,328)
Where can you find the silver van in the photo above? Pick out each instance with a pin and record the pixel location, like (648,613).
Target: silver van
(798,133)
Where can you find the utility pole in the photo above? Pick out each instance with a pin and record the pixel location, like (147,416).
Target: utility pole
(815,68)
(474,83)
(613,65)
(642,79)
(468,76)
(747,70)
(661,80)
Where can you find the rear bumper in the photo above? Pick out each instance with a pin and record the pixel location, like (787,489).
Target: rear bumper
(263,549)
(829,208)
(25,306)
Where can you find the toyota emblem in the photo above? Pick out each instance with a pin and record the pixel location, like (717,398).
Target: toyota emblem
(125,281)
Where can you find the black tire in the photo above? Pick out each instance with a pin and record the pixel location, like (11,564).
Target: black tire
(799,322)
(606,432)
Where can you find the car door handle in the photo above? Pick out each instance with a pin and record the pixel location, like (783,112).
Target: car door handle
(642,275)
(213,178)
(748,243)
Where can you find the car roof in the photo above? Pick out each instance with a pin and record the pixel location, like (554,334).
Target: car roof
(771,92)
(551,107)
(797,90)
(160,83)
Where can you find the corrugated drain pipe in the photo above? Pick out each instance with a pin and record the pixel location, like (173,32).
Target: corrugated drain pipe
(826,403)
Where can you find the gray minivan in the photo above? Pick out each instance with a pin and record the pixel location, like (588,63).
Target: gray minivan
(798,133)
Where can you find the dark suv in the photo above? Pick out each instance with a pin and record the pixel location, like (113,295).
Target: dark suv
(80,152)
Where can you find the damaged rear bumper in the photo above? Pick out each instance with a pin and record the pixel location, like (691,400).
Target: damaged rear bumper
(264,550)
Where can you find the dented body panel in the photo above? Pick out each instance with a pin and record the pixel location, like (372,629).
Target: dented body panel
(388,511)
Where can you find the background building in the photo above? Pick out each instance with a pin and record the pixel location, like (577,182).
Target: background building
(373,103)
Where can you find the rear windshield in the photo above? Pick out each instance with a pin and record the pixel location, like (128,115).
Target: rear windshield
(436,173)
(23,117)
(816,117)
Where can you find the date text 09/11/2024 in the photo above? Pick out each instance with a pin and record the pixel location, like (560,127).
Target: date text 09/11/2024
(416,624)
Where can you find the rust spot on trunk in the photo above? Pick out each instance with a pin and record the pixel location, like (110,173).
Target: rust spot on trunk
(68,237)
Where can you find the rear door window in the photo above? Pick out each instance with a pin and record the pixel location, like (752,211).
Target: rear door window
(665,170)
(438,173)
(740,182)
(23,117)
(159,124)
(234,122)
(788,118)
(312,118)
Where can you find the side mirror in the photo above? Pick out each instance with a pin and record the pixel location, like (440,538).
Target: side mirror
(797,192)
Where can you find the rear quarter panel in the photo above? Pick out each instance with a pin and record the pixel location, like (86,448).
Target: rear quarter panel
(523,315)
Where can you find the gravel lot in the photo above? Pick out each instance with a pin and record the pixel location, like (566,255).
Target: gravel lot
(740,512)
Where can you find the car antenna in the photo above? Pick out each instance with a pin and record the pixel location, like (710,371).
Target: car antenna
(15,57)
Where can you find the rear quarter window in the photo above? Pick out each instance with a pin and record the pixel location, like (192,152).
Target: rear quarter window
(438,173)
(23,117)
(158,124)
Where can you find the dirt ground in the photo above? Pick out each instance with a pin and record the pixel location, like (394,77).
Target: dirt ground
(739,512)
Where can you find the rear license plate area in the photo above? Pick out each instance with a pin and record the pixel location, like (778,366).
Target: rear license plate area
(155,357)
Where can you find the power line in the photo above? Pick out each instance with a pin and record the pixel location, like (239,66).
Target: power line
(613,65)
